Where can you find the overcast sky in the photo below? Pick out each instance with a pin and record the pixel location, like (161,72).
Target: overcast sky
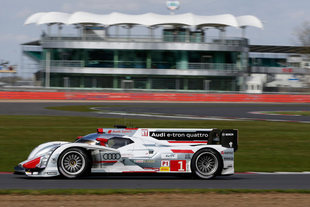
(280,17)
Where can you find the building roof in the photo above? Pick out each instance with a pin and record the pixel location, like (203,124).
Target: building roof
(148,19)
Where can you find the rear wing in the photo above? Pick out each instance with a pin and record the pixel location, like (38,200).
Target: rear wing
(226,137)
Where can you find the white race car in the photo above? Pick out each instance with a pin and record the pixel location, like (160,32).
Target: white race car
(203,152)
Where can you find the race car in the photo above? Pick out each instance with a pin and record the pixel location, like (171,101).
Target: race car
(205,153)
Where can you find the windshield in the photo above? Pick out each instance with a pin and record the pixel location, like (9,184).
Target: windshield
(88,138)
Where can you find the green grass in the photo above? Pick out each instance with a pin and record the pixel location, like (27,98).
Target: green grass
(263,146)
(300,113)
(142,191)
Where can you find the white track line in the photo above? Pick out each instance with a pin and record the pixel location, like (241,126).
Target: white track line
(182,116)
(278,173)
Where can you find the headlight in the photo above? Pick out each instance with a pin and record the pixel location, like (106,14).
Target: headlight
(45,155)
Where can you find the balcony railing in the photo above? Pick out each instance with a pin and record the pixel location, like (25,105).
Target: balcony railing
(231,41)
(214,66)
(227,67)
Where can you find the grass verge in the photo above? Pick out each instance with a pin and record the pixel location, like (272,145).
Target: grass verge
(263,146)
(142,191)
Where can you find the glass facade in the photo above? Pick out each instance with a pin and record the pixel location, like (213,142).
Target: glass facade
(150,82)
(180,59)
(154,59)
(113,60)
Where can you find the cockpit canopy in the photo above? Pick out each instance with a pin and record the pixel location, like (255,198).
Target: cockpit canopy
(113,141)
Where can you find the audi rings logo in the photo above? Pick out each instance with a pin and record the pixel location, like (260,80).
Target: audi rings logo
(111,156)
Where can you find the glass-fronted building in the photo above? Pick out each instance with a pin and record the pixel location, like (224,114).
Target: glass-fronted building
(174,53)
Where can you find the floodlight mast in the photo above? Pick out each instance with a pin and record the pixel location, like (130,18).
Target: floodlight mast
(172,6)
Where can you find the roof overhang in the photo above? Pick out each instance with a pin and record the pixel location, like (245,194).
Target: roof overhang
(148,19)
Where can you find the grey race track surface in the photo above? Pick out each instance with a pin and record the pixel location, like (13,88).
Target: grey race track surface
(229,110)
(238,181)
(232,110)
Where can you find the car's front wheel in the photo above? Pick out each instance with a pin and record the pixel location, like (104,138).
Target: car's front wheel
(206,164)
(73,163)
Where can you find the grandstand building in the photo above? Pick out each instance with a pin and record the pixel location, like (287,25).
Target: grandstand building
(157,52)
(170,52)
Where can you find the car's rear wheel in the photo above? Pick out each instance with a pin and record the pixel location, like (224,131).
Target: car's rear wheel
(73,163)
(206,164)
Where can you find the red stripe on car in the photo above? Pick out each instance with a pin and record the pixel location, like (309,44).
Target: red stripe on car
(182,151)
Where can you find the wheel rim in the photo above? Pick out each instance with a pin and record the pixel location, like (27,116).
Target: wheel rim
(73,163)
(206,164)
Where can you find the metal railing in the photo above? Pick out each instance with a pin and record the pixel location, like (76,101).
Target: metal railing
(214,66)
(226,67)
(231,41)
(64,63)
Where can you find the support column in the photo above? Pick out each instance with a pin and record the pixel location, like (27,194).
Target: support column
(59,31)
(183,63)
(233,85)
(49,30)
(177,84)
(85,58)
(148,60)
(185,84)
(222,34)
(243,31)
(82,82)
(47,68)
(115,59)
(94,82)
(115,82)
(149,83)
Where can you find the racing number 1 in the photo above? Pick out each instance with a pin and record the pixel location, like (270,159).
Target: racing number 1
(181,166)
(178,165)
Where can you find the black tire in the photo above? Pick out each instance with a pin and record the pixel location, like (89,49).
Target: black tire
(73,163)
(206,164)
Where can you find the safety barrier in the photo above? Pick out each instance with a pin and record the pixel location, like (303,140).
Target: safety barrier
(135,96)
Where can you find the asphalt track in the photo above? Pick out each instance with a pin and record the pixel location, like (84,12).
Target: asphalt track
(229,110)
(237,181)
(165,110)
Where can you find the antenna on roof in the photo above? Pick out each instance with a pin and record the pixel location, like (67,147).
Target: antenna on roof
(172,6)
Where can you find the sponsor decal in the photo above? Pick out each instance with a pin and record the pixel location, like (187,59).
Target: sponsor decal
(139,161)
(178,165)
(165,163)
(144,132)
(151,168)
(169,156)
(116,131)
(227,134)
(165,169)
(111,156)
(228,154)
(198,135)
(144,161)
(287,70)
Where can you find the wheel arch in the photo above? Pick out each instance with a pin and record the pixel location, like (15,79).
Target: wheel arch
(212,149)
(87,160)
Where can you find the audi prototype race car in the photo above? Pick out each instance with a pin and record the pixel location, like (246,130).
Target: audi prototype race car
(203,152)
